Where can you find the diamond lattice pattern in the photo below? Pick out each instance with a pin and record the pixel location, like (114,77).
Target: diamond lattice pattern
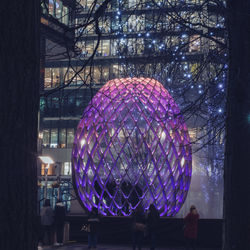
(132,147)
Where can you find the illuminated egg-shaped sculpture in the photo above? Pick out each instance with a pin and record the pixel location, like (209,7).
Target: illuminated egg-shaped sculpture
(131,149)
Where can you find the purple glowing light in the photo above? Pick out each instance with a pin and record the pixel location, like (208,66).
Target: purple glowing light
(132,147)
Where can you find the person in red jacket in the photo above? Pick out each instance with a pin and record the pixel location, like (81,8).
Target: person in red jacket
(191,228)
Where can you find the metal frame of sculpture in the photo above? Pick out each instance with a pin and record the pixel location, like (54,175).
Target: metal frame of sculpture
(132,148)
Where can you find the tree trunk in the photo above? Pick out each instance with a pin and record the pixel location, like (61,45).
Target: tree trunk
(237,158)
(19,102)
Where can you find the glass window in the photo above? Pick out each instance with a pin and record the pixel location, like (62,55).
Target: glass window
(149,69)
(65,195)
(97,74)
(105,47)
(196,20)
(89,4)
(71,99)
(65,15)
(79,100)
(159,23)
(131,3)
(115,71)
(132,23)
(70,137)
(90,29)
(105,25)
(194,1)
(99,49)
(48,78)
(105,73)
(89,48)
(61,75)
(172,41)
(114,47)
(213,45)
(51,7)
(83,3)
(58,9)
(55,77)
(87,75)
(115,24)
(54,138)
(158,68)
(62,138)
(43,169)
(140,46)
(82,46)
(165,22)
(131,46)
(49,168)
(44,7)
(65,76)
(80,76)
(194,44)
(149,21)
(42,104)
(46,137)
(72,76)
(140,23)
(55,102)
(114,4)
(64,105)
(124,23)
(66,168)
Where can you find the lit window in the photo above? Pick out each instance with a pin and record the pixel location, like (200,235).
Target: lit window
(70,137)
(50,170)
(45,137)
(105,47)
(51,7)
(58,9)
(195,43)
(62,138)
(66,170)
(54,138)
(65,15)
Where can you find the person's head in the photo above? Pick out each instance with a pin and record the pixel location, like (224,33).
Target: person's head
(47,203)
(192,208)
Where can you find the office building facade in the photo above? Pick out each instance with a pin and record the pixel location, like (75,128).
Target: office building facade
(179,43)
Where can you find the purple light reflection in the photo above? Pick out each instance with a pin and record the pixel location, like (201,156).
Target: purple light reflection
(132,147)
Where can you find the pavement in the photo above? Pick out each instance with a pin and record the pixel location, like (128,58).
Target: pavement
(78,246)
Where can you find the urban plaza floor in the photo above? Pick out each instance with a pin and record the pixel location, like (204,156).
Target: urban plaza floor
(78,246)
